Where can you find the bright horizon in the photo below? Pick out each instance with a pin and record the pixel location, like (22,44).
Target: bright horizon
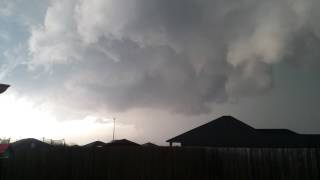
(25,119)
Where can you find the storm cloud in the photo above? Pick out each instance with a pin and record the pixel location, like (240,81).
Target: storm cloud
(181,56)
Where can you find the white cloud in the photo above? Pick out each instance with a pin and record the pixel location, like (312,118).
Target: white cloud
(13,58)
(6,7)
(181,56)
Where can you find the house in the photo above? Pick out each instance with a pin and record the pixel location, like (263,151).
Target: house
(5,151)
(121,142)
(29,144)
(228,131)
(149,144)
(95,144)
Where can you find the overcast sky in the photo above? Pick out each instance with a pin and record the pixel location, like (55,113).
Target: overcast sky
(161,67)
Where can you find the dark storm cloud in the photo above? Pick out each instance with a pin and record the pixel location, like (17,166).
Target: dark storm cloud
(178,55)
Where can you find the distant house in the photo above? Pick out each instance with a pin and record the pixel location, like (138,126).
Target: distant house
(29,144)
(228,131)
(5,150)
(114,143)
(95,144)
(121,142)
(149,144)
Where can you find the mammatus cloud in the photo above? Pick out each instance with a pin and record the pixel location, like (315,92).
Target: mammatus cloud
(178,55)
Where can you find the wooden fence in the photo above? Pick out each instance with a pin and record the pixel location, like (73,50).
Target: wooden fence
(161,163)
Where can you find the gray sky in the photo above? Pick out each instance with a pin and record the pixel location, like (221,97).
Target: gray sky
(160,66)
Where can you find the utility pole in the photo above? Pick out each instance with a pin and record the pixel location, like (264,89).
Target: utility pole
(114,128)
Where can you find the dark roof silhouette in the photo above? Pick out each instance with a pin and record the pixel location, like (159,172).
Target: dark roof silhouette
(223,125)
(149,144)
(228,131)
(29,143)
(3,87)
(122,142)
(95,144)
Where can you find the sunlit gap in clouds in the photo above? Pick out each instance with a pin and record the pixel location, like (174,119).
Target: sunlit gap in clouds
(23,118)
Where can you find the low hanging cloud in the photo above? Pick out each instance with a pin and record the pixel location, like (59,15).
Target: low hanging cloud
(178,55)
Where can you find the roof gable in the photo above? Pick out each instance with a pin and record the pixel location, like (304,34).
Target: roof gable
(223,125)
(122,142)
(95,144)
